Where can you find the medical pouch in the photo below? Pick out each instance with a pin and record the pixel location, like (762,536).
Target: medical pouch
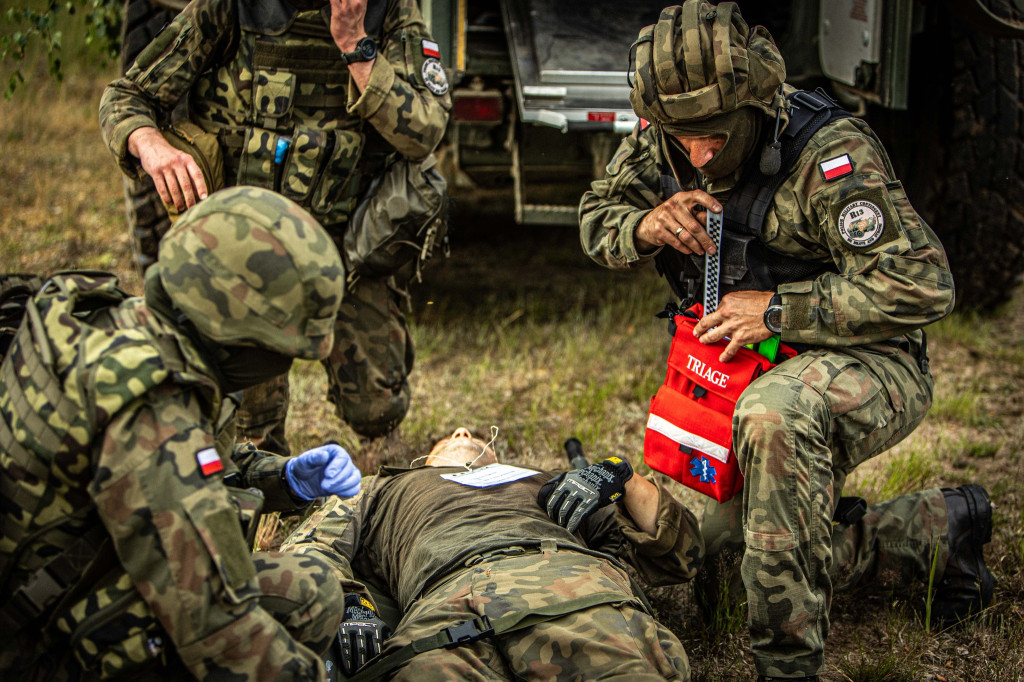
(689,428)
(401,219)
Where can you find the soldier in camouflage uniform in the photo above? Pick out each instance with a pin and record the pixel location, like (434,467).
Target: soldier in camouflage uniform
(126,501)
(294,106)
(408,534)
(856,273)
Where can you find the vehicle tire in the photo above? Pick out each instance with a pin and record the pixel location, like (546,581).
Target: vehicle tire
(959,150)
(147,217)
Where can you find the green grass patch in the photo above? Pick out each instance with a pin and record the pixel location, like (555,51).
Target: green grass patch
(908,471)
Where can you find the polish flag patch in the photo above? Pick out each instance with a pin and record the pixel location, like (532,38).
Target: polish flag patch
(431,49)
(209,461)
(836,167)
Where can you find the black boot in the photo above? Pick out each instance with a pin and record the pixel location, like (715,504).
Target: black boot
(967,584)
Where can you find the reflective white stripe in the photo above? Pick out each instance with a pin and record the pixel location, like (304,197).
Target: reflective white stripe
(683,437)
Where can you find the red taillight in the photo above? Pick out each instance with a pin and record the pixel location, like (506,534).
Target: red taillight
(601,116)
(478,108)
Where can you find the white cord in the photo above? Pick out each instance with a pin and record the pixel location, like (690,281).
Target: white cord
(467,465)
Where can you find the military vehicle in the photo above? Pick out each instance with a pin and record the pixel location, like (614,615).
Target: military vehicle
(541,102)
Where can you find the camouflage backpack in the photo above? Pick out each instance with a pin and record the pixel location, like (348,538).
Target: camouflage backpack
(15,290)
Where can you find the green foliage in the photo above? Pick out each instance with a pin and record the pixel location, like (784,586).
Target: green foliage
(40,27)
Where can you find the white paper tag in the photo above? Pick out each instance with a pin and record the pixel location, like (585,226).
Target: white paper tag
(490,475)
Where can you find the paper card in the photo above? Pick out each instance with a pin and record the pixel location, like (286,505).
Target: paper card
(490,475)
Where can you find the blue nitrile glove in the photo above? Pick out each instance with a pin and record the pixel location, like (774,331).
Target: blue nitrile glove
(326,470)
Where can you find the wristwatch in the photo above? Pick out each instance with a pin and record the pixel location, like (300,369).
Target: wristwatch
(366,49)
(773,314)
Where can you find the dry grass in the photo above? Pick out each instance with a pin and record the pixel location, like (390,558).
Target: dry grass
(519,330)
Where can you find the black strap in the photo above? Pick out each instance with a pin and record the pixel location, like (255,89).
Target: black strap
(480,627)
(51,582)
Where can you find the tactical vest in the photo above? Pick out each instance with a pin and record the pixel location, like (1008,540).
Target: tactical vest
(279,111)
(49,420)
(747,262)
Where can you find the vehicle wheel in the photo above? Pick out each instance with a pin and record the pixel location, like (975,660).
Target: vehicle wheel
(147,217)
(960,152)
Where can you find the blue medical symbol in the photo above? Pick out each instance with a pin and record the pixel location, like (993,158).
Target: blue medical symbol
(701,468)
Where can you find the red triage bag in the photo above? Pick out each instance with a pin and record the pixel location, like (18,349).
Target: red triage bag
(689,429)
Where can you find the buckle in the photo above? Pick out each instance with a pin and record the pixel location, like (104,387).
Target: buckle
(810,100)
(468,631)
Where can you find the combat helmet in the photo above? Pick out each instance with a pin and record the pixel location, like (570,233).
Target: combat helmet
(249,267)
(700,60)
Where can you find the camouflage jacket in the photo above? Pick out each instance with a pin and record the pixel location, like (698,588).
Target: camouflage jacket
(259,82)
(409,529)
(125,444)
(889,272)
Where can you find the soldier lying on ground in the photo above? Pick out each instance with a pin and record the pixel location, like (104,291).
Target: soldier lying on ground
(122,550)
(560,602)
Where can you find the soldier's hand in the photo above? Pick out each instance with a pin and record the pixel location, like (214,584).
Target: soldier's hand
(575,495)
(674,223)
(326,470)
(360,635)
(347,17)
(176,175)
(740,316)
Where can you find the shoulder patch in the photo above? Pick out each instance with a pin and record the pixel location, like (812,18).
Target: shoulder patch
(209,461)
(865,220)
(434,76)
(861,223)
(836,167)
(431,49)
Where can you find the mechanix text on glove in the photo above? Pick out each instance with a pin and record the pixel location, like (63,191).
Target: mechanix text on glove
(575,495)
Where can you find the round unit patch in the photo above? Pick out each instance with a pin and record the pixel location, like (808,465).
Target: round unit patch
(434,76)
(861,224)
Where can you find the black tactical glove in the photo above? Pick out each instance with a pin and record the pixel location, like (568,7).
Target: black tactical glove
(575,495)
(361,634)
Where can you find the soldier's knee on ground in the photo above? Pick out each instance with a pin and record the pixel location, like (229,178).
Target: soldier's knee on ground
(375,415)
(303,593)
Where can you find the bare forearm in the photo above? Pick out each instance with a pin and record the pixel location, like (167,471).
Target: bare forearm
(641,501)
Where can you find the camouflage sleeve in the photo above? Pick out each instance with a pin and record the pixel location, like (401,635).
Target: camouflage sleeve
(163,73)
(892,276)
(265,472)
(407,99)
(670,556)
(333,532)
(158,490)
(613,207)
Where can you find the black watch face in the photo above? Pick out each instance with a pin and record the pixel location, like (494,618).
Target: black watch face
(773,319)
(367,48)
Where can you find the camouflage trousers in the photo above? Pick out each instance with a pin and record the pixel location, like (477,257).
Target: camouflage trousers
(147,220)
(615,640)
(798,431)
(113,632)
(367,372)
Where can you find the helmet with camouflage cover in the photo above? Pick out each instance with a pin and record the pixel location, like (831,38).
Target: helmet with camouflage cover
(249,267)
(700,60)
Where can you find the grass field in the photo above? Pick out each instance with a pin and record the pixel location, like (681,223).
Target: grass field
(517,329)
